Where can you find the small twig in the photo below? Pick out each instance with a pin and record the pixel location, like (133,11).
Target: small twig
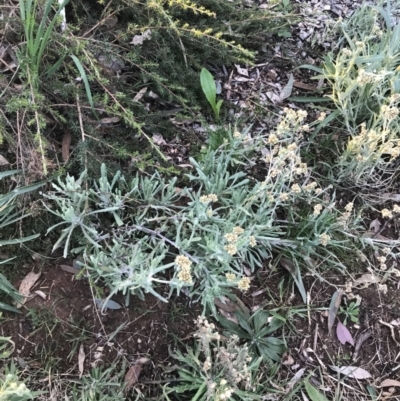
(315,338)
(159,381)
(83,141)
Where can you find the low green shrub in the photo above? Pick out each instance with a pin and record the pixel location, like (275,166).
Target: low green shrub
(216,368)
(365,82)
(139,63)
(148,232)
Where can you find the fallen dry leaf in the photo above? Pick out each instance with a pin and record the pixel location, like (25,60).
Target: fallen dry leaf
(65,144)
(242,71)
(140,94)
(390,383)
(333,308)
(287,359)
(69,269)
(343,334)
(352,371)
(3,161)
(367,278)
(375,225)
(27,283)
(110,120)
(301,85)
(132,375)
(41,294)
(159,140)
(81,360)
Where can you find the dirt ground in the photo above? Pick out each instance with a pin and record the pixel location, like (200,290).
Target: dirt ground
(52,330)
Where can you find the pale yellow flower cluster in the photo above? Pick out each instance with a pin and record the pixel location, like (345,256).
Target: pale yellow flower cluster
(389,213)
(238,230)
(292,119)
(184,264)
(207,364)
(283,196)
(324,239)
(310,187)
(231,249)
(296,188)
(206,199)
(232,238)
(376,32)
(372,144)
(317,209)
(388,112)
(382,261)
(252,241)
(244,284)
(230,276)
(226,394)
(206,332)
(344,218)
(347,52)
(394,98)
(365,77)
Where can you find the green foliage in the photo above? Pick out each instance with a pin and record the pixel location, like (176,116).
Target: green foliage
(351,311)
(99,385)
(313,393)
(6,344)
(37,35)
(9,216)
(210,91)
(256,331)
(365,81)
(160,49)
(11,389)
(137,235)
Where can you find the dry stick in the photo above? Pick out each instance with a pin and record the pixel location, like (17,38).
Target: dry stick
(83,141)
(315,338)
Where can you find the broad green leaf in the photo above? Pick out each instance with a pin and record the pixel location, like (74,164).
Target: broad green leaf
(208,86)
(311,67)
(313,393)
(9,308)
(86,82)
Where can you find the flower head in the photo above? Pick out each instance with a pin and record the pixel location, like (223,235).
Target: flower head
(244,284)
(324,239)
(206,199)
(230,276)
(231,249)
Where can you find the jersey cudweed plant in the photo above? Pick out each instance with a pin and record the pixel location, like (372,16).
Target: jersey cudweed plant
(144,234)
(216,368)
(365,83)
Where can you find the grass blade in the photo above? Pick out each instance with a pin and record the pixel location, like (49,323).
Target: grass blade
(85,81)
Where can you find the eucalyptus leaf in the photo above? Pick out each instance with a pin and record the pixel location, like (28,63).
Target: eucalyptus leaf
(107,304)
